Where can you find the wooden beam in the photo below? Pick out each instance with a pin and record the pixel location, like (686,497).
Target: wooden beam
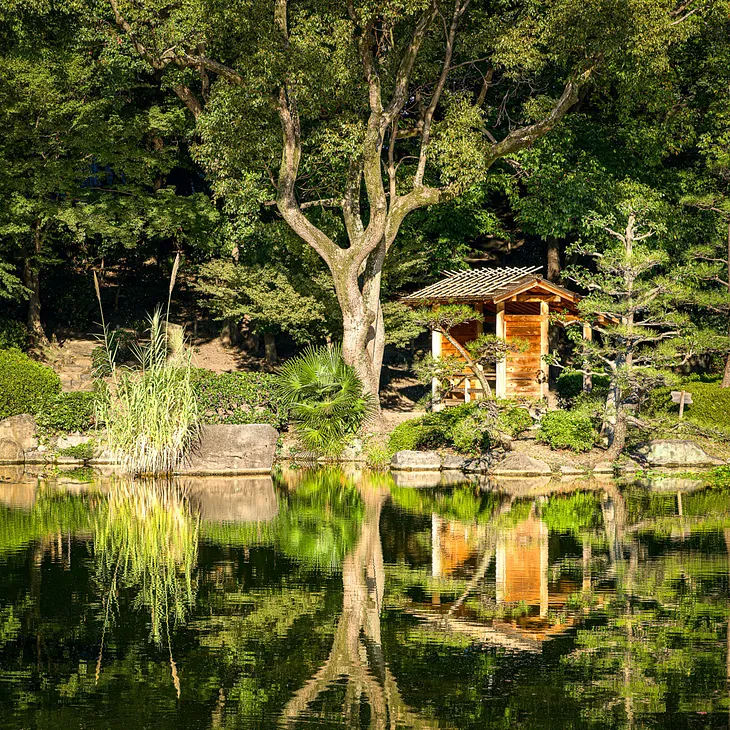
(544,346)
(501,384)
(435,385)
(587,379)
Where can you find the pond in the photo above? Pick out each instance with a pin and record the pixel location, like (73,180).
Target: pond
(337,599)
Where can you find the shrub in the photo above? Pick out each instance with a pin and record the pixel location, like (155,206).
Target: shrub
(570,384)
(326,399)
(13,334)
(26,386)
(377,455)
(83,452)
(67,412)
(239,398)
(572,430)
(515,421)
(467,428)
(406,436)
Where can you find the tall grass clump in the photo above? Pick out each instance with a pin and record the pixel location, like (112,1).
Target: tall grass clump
(150,412)
(326,400)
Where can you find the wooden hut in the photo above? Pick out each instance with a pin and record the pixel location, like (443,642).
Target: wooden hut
(514,304)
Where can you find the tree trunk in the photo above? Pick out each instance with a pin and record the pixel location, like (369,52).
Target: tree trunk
(478,373)
(270,348)
(553,260)
(726,376)
(31,279)
(357,329)
(618,437)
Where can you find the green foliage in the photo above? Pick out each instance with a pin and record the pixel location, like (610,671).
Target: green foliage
(569,384)
(26,386)
(377,455)
(68,412)
(326,399)
(239,398)
(572,430)
(150,416)
(515,420)
(468,428)
(710,404)
(83,452)
(13,334)
(572,512)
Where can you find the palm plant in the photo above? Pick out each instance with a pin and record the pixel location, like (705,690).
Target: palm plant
(326,399)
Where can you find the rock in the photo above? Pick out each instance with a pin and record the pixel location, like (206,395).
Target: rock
(71,440)
(21,429)
(232,449)
(415,461)
(10,452)
(669,452)
(517,464)
(454,462)
(604,467)
(104,458)
(69,460)
(354,451)
(480,465)
(11,474)
(453,477)
(38,456)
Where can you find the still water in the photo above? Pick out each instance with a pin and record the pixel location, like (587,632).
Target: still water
(348,600)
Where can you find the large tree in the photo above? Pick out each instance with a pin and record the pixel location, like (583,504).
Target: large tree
(348,116)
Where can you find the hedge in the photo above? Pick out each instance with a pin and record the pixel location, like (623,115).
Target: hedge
(239,398)
(68,412)
(572,430)
(26,386)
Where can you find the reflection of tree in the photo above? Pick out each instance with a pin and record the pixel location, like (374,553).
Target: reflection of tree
(356,656)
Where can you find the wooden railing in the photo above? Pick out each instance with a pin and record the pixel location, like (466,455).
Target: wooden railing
(465,386)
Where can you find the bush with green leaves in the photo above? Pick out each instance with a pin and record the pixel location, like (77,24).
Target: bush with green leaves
(468,428)
(569,385)
(573,430)
(68,412)
(13,334)
(239,398)
(515,420)
(26,386)
(82,452)
(326,399)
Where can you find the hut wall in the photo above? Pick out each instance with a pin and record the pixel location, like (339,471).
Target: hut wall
(523,368)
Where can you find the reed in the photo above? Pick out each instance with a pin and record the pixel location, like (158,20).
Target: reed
(149,414)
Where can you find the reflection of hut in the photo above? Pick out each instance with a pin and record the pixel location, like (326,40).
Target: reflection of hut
(18,496)
(522,565)
(452,545)
(514,304)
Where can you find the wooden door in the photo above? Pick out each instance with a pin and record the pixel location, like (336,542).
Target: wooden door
(524,368)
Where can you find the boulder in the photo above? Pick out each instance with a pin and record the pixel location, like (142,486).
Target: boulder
(454,462)
(568,470)
(415,461)
(673,452)
(22,429)
(516,464)
(10,452)
(232,449)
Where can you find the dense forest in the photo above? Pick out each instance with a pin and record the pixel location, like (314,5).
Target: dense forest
(307,164)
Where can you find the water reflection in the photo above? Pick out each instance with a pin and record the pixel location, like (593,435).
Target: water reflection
(349,600)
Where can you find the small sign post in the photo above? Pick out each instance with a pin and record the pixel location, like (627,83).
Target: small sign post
(683,398)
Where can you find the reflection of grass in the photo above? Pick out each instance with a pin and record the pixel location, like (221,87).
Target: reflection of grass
(465,504)
(146,539)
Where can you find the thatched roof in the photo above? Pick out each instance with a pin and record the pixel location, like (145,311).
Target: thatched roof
(493,284)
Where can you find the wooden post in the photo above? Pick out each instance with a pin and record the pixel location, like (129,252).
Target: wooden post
(500,331)
(544,347)
(681,405)
(467,396)
(587,379)
(435,385)
(479,307)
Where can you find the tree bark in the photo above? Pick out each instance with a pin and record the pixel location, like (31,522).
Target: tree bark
(31,279)
(726,376)
(553,260)
(270,348)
